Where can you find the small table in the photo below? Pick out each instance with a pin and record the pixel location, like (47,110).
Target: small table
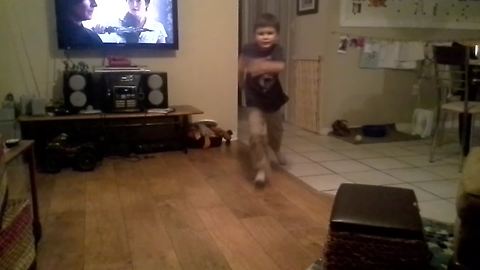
(25,149)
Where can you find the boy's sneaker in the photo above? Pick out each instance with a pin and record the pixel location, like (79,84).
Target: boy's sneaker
(260,178)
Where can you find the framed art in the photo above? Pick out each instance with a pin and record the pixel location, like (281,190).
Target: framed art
(305,7)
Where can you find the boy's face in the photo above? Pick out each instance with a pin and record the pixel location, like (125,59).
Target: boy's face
(137,7)
(266,37)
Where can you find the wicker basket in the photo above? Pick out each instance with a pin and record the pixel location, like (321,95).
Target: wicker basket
(17,244)
(347,251)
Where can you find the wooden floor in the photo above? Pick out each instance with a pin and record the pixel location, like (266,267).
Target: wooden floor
(176,211)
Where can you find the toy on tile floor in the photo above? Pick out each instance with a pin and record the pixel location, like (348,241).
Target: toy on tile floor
(206,134)
(62,151)
(340,128)
(358,138)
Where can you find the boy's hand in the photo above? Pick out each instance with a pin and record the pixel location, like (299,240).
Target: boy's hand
(257,67)
(263,66)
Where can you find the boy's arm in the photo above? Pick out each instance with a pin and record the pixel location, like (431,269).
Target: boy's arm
(264,66)
(241,71)
(272,65)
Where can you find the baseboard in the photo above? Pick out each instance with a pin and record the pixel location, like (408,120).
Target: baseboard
(449,124)
(454,123)
(325,131)
(404,127)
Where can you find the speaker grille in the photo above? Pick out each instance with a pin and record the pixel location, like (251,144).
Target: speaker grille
(155,81)
(77,90)
(156,97)
(78,99)
(155,88)
(77,82)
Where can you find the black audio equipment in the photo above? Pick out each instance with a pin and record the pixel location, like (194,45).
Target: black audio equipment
(155,88)
(123,92)
(77,89)
(115,91)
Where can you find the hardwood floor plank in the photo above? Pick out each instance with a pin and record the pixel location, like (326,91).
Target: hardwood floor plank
(318,206)
(286,213)
(218,217)
(238,246)
(313,239)
(278,243)
(197,250)
(45,184)
(245,206)
(149,244)
(233,189)
(106,243)
(68,192)
(62,244)
(181,212)
(63,239)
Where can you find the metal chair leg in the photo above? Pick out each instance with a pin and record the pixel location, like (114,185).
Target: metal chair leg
(441,132)
(472,130)
(439,127)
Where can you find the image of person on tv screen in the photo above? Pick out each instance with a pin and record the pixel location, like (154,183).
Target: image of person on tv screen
(71,32)
(136,26)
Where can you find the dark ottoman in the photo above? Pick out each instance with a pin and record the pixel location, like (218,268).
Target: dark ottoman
(375,227)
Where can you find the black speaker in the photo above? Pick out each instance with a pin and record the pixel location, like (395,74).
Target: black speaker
(77,90)
(155,90)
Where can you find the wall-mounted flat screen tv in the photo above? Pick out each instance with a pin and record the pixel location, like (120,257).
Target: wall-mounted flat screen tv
(105,24)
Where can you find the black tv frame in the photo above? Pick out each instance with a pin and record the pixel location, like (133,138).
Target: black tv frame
(127,46)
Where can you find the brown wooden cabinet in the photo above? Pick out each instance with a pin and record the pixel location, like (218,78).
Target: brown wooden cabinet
(114,133)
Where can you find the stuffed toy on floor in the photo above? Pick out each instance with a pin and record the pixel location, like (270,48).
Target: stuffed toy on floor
(207,133)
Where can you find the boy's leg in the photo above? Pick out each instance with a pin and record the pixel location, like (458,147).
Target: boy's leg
(258,144)
(275,133)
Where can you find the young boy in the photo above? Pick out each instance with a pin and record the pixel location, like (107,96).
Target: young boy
(259,66)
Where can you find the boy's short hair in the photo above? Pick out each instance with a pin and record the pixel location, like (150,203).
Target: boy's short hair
(147,2)
(267,20)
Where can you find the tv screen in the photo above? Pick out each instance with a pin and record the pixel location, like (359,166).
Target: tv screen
(103,24)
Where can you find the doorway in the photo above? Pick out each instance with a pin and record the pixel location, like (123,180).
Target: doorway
(249,10)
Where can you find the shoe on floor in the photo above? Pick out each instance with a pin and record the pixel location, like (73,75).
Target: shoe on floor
(260,178)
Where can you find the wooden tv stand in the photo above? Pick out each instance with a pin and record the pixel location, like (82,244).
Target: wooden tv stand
(117,131)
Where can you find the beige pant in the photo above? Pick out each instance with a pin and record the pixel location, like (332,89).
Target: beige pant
(266,130)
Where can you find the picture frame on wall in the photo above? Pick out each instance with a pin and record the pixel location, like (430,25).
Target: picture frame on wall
(305,7)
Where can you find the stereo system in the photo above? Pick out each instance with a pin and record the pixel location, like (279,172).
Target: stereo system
(123,91)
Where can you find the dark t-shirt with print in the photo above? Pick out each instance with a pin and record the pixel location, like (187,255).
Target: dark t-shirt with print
(264,91)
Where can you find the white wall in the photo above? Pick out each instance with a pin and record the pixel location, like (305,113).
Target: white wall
(201,73)
(361,96)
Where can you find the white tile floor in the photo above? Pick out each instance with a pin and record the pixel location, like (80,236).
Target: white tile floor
(325,162)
